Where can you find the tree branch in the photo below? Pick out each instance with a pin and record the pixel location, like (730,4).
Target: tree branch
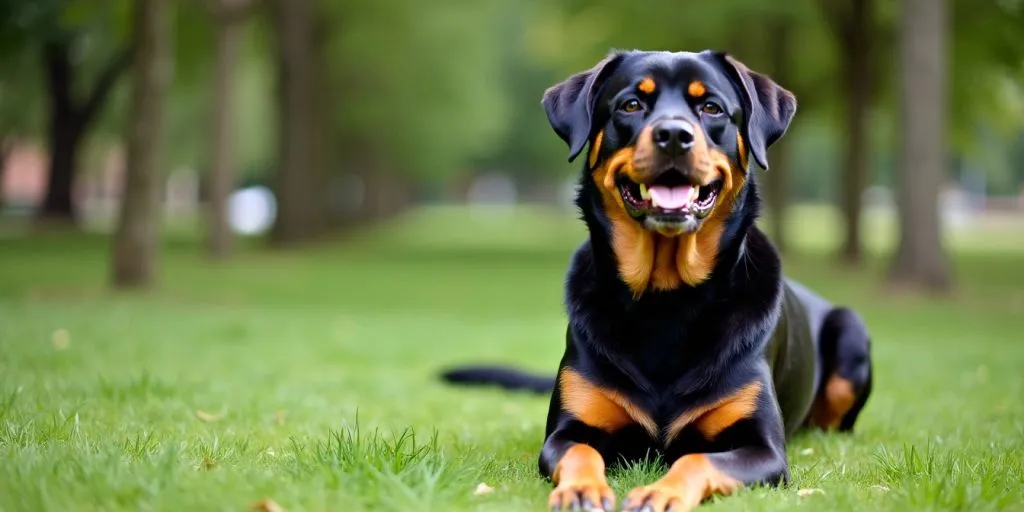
(114,69)
(58,72)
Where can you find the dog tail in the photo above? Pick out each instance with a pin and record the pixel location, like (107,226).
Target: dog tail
(501,376)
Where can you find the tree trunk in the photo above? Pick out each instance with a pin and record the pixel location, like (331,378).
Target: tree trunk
(222,151)
(777,181)
(58,204)
(297,180)
(65,134)
(855,38)
(921,261)
(69,120)
(138,232)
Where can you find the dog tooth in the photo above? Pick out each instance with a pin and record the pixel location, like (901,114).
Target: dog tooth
(644,193)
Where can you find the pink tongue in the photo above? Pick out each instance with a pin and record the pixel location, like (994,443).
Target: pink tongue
(671,198)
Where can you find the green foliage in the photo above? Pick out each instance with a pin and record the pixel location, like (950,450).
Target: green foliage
(97,30)
(21,105)
(418,79)
(529,148)
(987,57)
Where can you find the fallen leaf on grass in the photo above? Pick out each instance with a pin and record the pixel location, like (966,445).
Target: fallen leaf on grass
(207,417)
(807,451)
(880,488)
(208,463)
(61,339)
(267,505)
(807,492)
(483,489)
(279,417)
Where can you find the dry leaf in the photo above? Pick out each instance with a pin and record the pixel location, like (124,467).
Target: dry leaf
(60,338)
(807,451)
(267,505)
(483,489)
(207,417)
(807,492)
(208,463)
(279,417)
(880,488)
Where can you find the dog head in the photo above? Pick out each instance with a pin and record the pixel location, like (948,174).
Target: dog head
(671,132)
(671,137)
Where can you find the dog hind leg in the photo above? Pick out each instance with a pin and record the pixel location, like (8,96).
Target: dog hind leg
(845,384)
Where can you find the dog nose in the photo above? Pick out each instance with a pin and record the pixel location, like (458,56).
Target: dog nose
(673,136)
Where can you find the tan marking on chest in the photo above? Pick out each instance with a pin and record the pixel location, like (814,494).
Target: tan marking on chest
(599,407)
(711,419)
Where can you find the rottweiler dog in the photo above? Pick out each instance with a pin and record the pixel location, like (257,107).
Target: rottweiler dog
(685,342)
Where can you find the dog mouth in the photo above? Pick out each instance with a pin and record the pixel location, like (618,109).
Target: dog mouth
(671,202)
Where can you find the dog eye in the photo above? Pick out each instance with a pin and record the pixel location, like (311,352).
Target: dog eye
(630,106)
(711,108)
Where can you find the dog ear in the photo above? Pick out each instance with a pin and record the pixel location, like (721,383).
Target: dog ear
(570,104)
(768,108)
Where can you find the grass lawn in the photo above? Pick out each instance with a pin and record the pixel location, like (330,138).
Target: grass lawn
(309,377)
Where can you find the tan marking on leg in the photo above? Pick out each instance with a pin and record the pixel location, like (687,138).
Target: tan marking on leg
(833,403)
(691,480)
(580,475)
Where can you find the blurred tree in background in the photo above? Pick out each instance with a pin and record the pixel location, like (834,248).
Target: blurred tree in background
(82,51)
(228,18)
(137,238)
(355,111)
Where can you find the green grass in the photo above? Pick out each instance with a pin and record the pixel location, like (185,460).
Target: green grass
(317,369)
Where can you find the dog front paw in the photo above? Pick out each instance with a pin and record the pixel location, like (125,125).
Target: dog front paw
(591,495)
(658,498)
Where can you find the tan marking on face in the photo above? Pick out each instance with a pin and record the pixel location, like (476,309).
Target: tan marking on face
(711,419)
(632,244)
(698,252)
(595,149)
(741,150)
(643,256)
(696,89)
(598,407)
(647,85)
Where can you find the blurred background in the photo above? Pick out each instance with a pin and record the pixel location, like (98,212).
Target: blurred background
(277,123)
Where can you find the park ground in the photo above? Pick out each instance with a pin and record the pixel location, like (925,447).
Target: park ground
(309,377)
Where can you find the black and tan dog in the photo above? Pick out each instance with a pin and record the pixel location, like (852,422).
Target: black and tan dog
(684,341)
